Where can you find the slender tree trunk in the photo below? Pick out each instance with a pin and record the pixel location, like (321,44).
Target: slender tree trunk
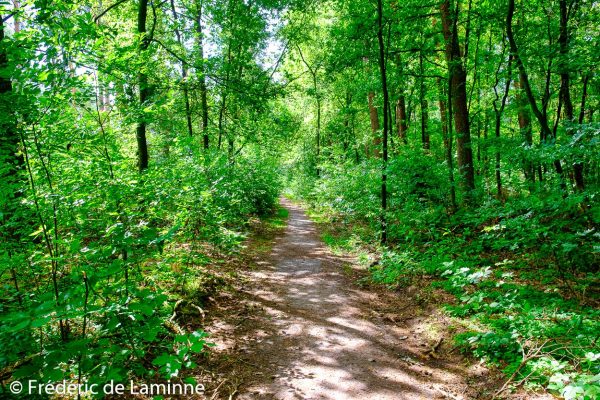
(443,112)
(374,117)
(565,90)
(184,72)
(526,131)
(202,76)
(237,112)
(318,138)
(347,128)
(401,119)
(446,137)
(386,105)
(498,112)
(9,142)
(17,22)
(143,86)
(220,124)
(223,106)
(541,117)
(313,73)
(458,78)
(230,147)
(13,160)
(484,147)
(425,141)
(586,79)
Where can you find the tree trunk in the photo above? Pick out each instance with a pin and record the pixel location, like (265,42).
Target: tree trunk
(447,141)
(401,116)
(385,122)
(586,79)
(202,76)
(313,73)
(401,119)
(565,90)
(374,117)
(484,148)
(143,87)
(9,136)
(541,117)
(347,129)
(498,112)
(223,106)
(425,141)
(458,78)
(318,138)
(184,83)
(526,131)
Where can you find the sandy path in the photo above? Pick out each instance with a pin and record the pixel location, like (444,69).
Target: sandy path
(318,338)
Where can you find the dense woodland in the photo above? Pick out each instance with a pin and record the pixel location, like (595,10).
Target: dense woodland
(449,144)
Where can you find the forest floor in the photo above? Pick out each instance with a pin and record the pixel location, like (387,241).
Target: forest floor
(300,326)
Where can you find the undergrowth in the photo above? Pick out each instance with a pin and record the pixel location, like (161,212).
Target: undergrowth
(120,293)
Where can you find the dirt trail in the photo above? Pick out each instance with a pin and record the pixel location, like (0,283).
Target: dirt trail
(320,339)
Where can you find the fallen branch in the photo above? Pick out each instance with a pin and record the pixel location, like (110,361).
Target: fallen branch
(526,358)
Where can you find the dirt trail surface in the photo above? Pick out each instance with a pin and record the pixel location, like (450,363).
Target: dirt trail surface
(314,334)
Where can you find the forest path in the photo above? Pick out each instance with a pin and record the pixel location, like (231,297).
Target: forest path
(321,337)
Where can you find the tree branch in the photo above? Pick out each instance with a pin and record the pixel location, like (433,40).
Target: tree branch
(118,3)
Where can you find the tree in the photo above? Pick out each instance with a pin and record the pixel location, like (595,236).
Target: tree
(184,74)
(145,39)
(386,105)
(524,78)
(565,89)
(202,74)
(458,77)
(313,69)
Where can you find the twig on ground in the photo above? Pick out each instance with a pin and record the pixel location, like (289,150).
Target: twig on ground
(216,391)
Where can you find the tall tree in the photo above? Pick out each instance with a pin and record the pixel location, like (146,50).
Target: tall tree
(565,85)
(313,69)
(202,73)
(524,80)
(526,130)
(498,110)
(458,81)
(425,141)
(184,74)
(447,138)
(374,119)
(386,105)
(144,90)
(9,139)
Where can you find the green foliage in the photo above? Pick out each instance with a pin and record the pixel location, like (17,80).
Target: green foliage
(523,271)
(95,252)
(95,255)
(114,300)
(184,345)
